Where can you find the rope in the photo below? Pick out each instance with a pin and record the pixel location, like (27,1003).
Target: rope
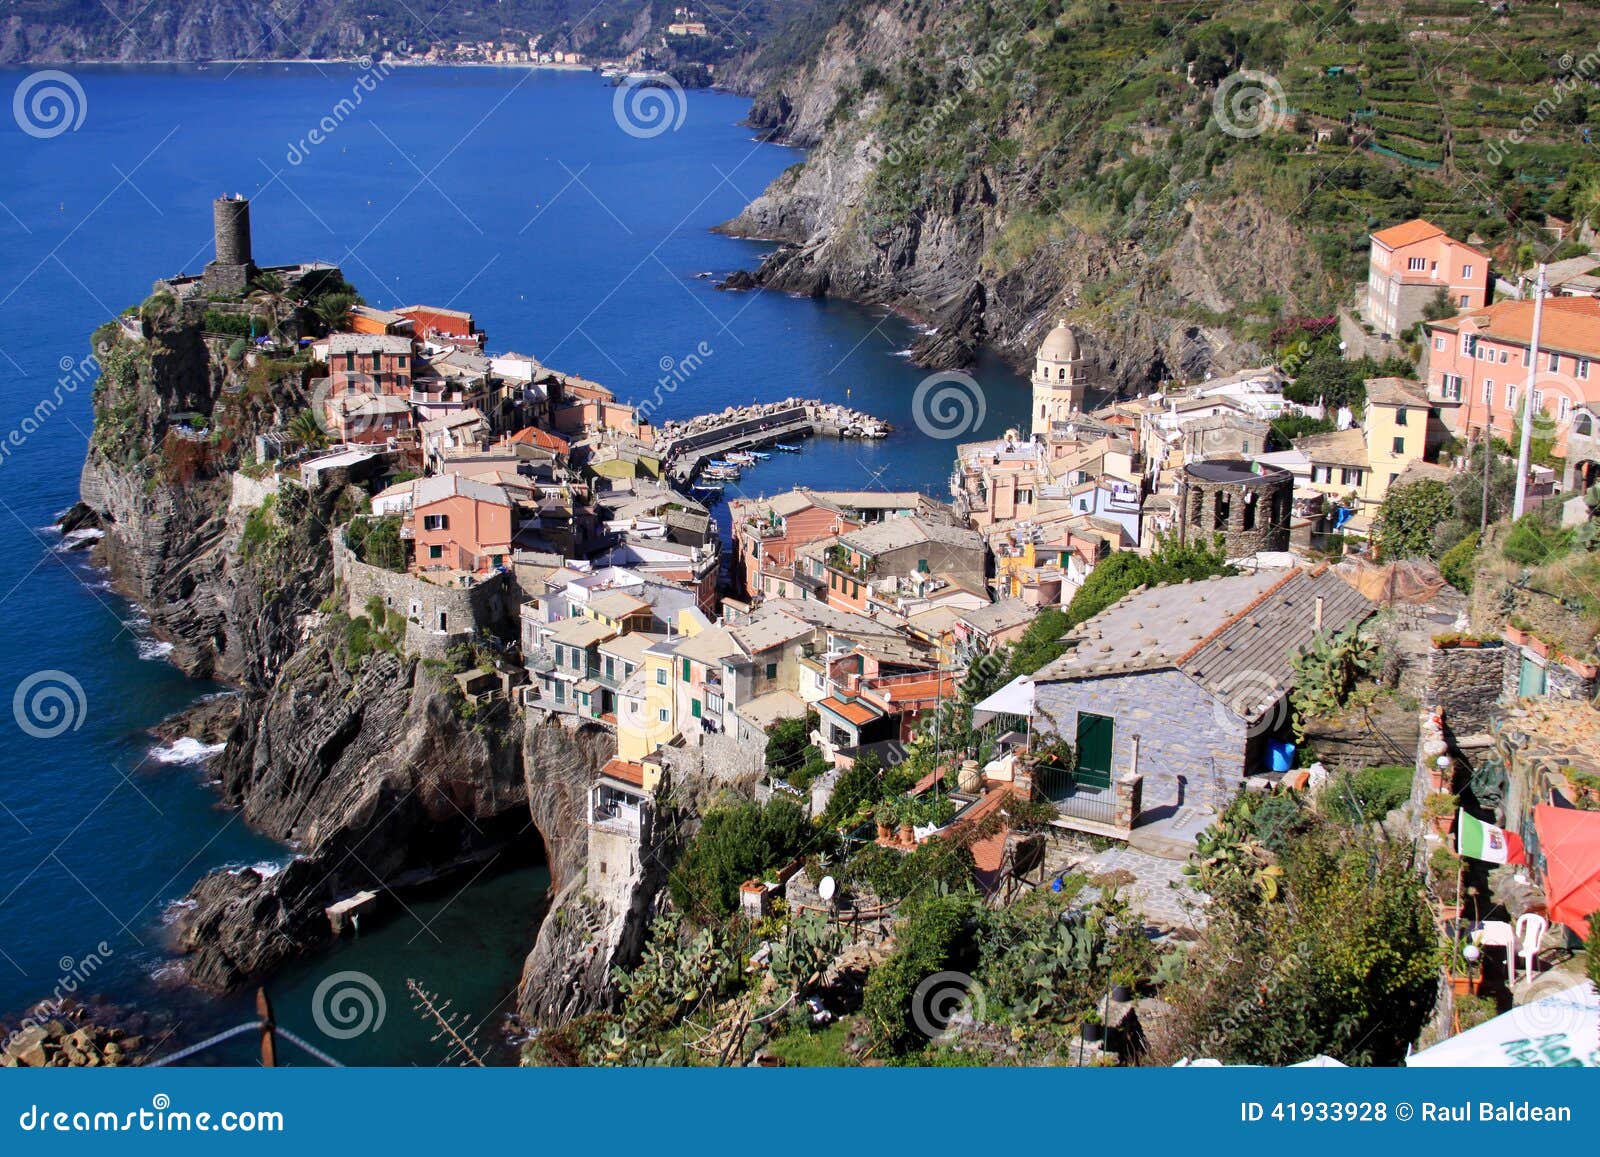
(181,1054)
(239,1030)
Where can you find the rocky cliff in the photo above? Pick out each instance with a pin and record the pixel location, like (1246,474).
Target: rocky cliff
(368,763)
(946,181)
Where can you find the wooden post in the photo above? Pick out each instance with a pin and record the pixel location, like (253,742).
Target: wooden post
(269,1044)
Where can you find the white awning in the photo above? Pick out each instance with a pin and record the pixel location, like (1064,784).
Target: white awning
(1015,698)
(1563,1029)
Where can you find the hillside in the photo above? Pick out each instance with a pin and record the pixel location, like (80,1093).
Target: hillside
(1176,181)
(198,30)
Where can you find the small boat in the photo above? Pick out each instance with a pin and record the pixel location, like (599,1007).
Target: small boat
(786,447)
(740,458)
(760,455)
(707,488)
(721,463)
(721,474)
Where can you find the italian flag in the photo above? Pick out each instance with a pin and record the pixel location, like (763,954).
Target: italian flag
(1484,841)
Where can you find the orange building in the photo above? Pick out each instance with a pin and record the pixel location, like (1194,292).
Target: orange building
(443,326)
(1408,266)
(460,525)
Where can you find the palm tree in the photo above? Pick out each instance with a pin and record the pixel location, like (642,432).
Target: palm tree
(271,296)
(333,309)
(306,430)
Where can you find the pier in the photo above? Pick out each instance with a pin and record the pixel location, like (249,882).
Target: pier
(687,446)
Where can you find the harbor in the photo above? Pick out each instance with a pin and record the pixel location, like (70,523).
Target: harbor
(714,448)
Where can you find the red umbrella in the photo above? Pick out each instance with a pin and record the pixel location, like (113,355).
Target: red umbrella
(1570,841)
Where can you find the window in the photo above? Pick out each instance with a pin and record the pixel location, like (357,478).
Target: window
(1463,302)
(1350,477)
(1563,408)
(1511,397)
(661,714)
(611,672)
(1583,368)
(1538,400)
(1466,272)
(1505,356)
(694,708)
(436,551)
(772,670)
(686,670)
(1400,416)
(435,522)
(1488,391)
(444,621)
(1555,363)
(1468,343)
(1415,265)
(1438,342)
(1399,445)
(661,676)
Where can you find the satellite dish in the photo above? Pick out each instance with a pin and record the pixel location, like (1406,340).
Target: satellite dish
(827,888)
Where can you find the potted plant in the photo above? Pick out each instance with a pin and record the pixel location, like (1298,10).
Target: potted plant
(1440,810)
(1122,986)
(1445,867)
(885,819)
(1091,1029)
(1461,958)
(908,820)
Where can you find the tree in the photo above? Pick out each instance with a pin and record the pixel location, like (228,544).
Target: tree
(1409,515)
(333,309)
(734,844)
(1286,429)
(1328,379)
(1041,642)
(271,297)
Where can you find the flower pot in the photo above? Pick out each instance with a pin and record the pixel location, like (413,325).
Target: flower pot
(1449,912)
(1441,824)
(885,831)
(1122,992)
(908,834)
(1516,636)
(1093,1033)
(1461,985)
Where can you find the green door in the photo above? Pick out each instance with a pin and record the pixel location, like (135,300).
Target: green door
(1094,749)
(1530,685)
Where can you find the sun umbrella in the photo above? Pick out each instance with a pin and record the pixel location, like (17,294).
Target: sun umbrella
(1570,841)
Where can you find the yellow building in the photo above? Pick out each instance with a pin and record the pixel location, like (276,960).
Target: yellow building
(1058,379)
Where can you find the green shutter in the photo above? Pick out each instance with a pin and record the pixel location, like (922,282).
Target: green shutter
(1095,735)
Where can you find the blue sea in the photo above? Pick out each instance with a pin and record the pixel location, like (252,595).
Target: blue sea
(575,228)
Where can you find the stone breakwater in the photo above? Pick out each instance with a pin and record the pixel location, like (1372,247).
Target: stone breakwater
(829,417)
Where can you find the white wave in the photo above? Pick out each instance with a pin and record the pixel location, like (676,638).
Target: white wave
(901,354)
(266,869)
(154,649)
(170,973)
(186,750)
(175,910)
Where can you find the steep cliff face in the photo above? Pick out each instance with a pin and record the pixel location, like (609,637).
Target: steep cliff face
(941,184)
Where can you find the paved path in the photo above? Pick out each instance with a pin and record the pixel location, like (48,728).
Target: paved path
(1161,893)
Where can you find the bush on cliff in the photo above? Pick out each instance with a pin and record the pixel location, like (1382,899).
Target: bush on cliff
(734,844)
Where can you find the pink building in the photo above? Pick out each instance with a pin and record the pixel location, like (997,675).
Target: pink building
(1410,264)
(1477,363)
(460,525)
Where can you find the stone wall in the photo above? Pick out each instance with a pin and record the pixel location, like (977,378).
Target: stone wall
(1466,682)
(486,604)
(1189,743)
(1561,681)
(249,493)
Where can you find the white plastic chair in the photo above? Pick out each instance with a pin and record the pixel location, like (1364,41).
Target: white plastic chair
(1499,934)
(1531,928)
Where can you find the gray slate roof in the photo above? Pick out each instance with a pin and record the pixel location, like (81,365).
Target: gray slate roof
(1236,636)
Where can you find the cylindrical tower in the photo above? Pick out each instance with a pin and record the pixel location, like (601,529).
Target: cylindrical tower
(230,217)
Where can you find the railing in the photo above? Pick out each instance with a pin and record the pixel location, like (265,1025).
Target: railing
(1087,803)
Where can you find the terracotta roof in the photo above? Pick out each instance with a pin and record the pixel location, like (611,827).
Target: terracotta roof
(856,713)
(544,439)
(1570,324)
(1396,392)
(627,772)
(1407,233)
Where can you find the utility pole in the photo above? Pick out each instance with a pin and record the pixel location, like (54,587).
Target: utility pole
(1527,401)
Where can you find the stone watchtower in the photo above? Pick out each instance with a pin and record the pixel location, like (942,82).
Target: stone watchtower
(1247,503)
(1058,379)
(231,272)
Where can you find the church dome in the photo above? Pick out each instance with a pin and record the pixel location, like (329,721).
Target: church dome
(1060,346)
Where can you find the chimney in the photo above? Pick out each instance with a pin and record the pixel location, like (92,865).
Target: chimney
(1316,617)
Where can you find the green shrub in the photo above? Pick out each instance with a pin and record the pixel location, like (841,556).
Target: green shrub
(1534,541)
(1460,563)
(929,940)
(1368,795)
(735,844)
